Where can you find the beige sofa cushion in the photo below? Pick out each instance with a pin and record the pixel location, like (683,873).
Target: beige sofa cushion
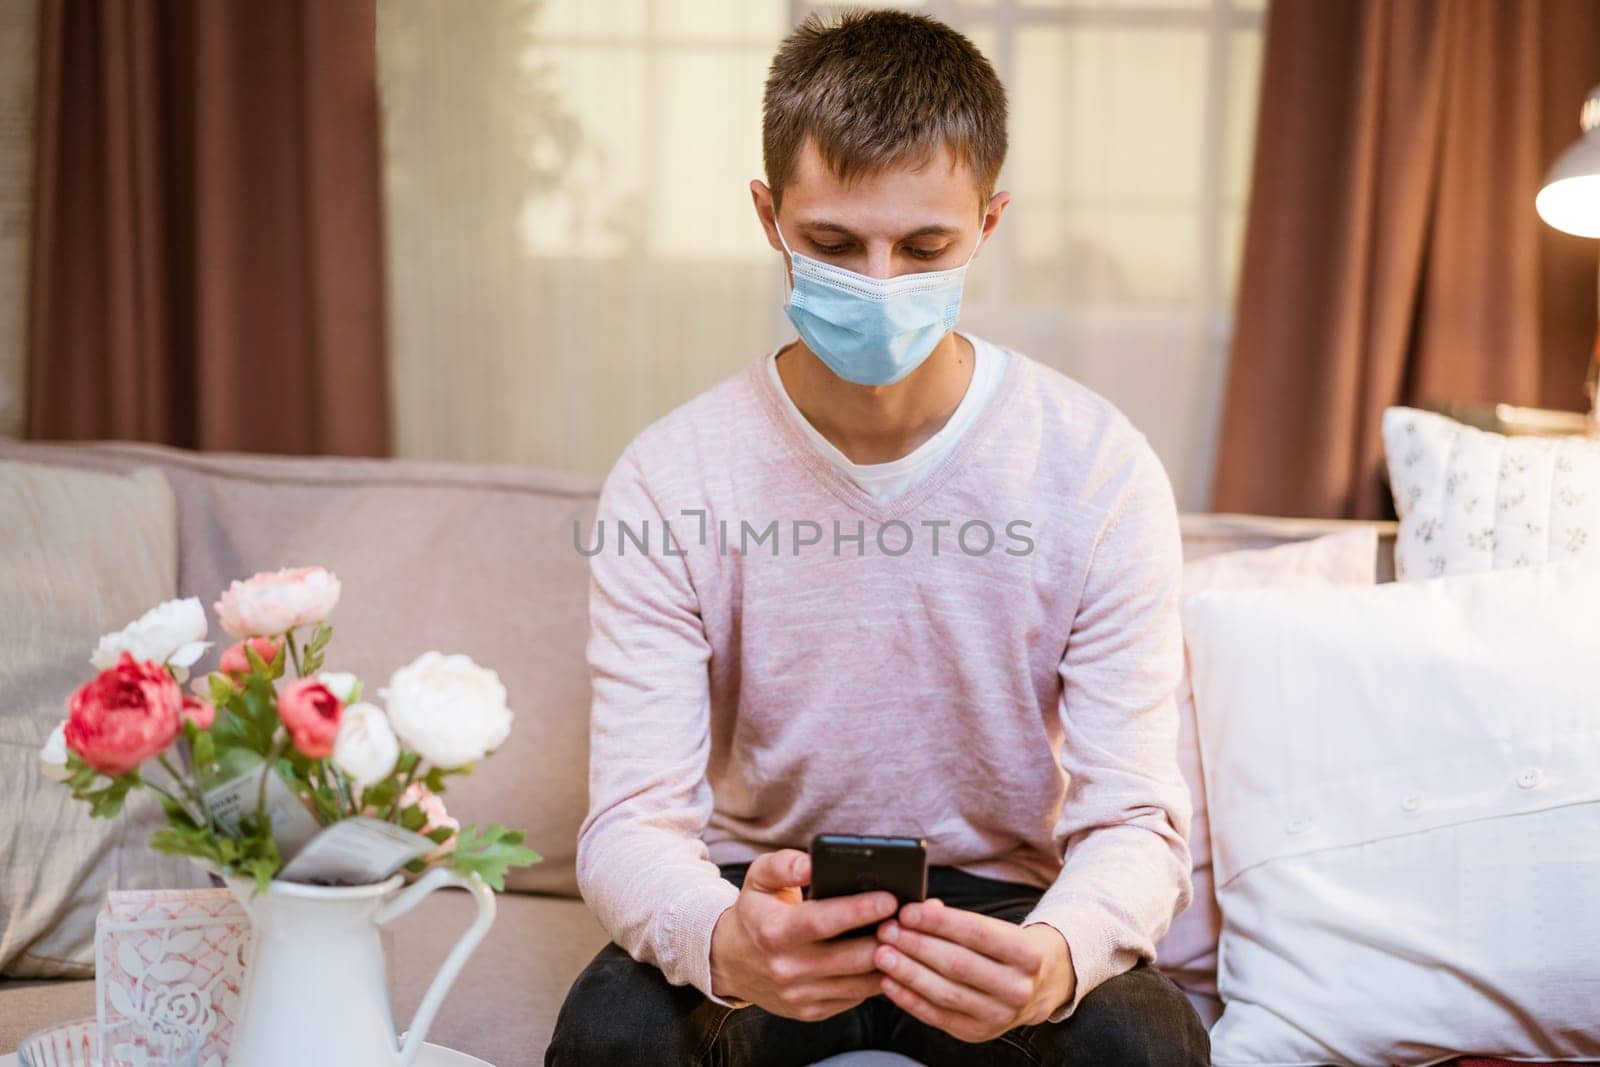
(85,553)
(503,1007)
(462,558)
(26,1007)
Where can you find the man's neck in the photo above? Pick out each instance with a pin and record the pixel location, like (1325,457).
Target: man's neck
(877,424)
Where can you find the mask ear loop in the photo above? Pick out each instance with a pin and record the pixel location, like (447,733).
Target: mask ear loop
(974,253)
(788,275)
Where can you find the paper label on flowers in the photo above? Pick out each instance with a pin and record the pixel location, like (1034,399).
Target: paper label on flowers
(356,852)
(292,824)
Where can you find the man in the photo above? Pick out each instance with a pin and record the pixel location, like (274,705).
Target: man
(890,579)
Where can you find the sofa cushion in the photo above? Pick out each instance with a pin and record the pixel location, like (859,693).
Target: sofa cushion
(473,559)
(1187,953)
(503,1007)
(1470,500)
(85,554)
(1404,785)
(28,1007)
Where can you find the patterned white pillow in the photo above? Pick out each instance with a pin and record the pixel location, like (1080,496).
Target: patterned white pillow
(1473,501)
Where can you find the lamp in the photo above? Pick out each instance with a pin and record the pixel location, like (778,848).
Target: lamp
(1570,201)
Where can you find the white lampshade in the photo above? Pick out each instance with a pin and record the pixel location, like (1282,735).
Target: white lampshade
(1570,199)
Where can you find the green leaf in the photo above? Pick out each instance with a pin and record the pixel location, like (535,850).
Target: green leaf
(490,853)
(320,637)
(106,807)
(235,760)
(107,802)
(413,818)
(205,750)
(380,795)
(327,802)
(261,868)
(257,664)
(221,689)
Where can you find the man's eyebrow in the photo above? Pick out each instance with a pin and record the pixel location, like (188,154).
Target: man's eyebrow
(931,230)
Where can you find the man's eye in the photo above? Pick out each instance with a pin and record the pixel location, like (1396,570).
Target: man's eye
(831,250)
(924,253)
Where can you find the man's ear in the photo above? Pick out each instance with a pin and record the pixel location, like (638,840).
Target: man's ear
(766,211)
(991,214)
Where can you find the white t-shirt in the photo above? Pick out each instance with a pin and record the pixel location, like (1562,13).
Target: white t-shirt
(886,480)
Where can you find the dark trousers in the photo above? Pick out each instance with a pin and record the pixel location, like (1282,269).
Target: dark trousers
(620,1011)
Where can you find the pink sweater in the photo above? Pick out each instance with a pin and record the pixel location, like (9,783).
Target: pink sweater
(795,657)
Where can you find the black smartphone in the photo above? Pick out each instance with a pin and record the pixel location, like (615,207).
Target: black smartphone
(844,864)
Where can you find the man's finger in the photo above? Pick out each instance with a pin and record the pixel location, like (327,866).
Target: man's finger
(856,987)
(829,1008)
(850,956)
(818,920)
(959,963)
(771,872)
(935,987)
(917,1006)
(995,938)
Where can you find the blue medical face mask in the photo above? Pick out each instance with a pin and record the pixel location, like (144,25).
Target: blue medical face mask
(872,331)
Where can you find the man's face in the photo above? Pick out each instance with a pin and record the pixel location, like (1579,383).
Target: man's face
(901,220)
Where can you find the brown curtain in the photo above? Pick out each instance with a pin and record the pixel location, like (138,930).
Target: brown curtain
(1392,253)
(207,251)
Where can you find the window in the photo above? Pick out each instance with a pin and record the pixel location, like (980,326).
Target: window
(573,251)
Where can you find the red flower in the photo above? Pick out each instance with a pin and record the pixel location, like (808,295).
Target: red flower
(236,664)
(126,714)
(199,712)
(311,713)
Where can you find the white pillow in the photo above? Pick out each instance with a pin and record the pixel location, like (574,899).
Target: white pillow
(1404,784)
(1473,501)
(1187,953)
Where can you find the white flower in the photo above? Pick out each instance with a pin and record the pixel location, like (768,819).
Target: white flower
(341,684)
(365,748)
(172,632)
(274,602)
(448,709)
(53,756)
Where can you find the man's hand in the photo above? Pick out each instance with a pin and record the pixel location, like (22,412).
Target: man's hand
(771,947)
(973,976)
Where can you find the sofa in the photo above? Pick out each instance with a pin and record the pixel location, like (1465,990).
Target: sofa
(463,558)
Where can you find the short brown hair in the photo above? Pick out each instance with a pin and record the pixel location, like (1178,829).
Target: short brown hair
(876,88)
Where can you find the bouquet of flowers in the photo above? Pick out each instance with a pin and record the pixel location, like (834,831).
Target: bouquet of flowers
(133,727)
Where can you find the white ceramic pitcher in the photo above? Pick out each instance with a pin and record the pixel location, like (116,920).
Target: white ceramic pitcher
(314,989)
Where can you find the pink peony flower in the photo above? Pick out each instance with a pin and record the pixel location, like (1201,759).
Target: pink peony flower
(126,714)
(200,712)
(311,713)
(275,602)
(237,664)
(432,806)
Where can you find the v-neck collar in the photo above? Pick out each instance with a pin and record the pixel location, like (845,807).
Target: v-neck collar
(851,494)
